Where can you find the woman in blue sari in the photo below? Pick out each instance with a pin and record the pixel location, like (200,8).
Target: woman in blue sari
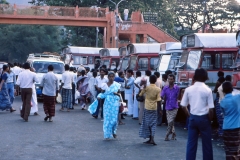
(4,97)
(111,106)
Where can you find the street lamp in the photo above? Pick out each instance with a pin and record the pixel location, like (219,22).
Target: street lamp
(117,18)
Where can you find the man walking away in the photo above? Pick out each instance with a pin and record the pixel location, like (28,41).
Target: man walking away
(159,109)
(66,87)
(170,94)
(50,88)
(199,97)
(25,81)
(149,122)
(73,85)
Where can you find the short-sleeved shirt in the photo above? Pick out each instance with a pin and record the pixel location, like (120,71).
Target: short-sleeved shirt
(4,77)
(199,97)
(50,84)
(231,111)
(99,81)
(137,81)
(152,96)
(67,80)
(171,95)
(26,79)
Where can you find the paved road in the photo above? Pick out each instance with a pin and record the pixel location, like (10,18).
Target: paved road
(76,135)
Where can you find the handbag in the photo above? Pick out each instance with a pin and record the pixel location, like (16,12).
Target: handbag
(122,105)
(139,98)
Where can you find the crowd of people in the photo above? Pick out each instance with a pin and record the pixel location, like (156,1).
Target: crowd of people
(148,98)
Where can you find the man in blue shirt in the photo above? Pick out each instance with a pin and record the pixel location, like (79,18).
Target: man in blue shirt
(231,123)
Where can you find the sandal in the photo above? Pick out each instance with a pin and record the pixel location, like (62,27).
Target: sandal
(46,118)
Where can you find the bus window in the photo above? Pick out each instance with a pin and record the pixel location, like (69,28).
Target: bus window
(143,64)
(90,60)
(115,63)
(133,61)
(76,60)
(211,61)
(227,61)
(193,60)
(125,62)
(154,63)
(84,60)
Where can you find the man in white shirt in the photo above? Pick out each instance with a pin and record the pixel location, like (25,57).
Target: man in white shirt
(159,109)
(74,85)
(25,81)
(136,91)
(199,97)
(16,70)
(100,80)
(67,80)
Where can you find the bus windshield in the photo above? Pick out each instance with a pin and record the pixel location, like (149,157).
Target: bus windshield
(42,67)
(125,63)
(133,62)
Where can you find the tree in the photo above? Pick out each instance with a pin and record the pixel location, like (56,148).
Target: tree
(189,13)
(3,2)
(17,41)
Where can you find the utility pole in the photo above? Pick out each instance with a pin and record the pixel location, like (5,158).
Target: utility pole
(117,19)
(204,15)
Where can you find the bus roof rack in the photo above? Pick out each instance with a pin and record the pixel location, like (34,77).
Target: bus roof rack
(43,56)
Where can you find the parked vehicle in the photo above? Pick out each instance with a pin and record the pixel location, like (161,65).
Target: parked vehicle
(211,51)
(142,56)
(1,66)
(170,53)
(40,63)
(236,65)
(110,57)
(86,56)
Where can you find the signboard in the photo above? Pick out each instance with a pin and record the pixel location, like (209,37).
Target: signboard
(191,41)
(150,17)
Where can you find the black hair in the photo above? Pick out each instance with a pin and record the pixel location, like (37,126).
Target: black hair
(104,66)
(10,65)
(220,74)
(164,76)
(66,67)
(92,70)
(221,79)
(168,72)
(120,73)
(138,74)
(50,67)
(227,87)
(94,74)
(171,75)
(71,69)
(5,67)
(152,79)
(26,65)
(200,75)
(87,68)
(130,71)
(83,72)
(157,74)
(148,73)
(228,78)
(15,64)
(115,70)
(102,69)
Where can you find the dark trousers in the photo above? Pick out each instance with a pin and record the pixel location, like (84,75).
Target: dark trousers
(202,125)
(159,116)
(164,116)
(100,105)
(26,95)
(73,93)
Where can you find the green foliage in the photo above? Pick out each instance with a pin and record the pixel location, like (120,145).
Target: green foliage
(3,2)
(17,41)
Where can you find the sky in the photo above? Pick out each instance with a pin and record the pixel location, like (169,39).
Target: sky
(21,2)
